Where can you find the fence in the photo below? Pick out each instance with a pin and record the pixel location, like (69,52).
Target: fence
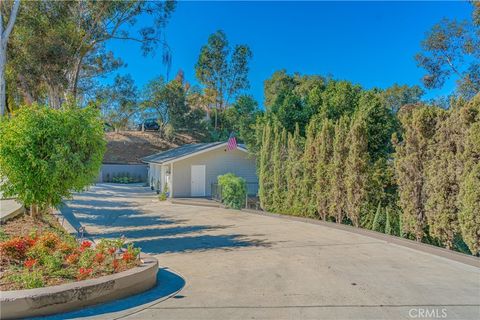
(251,199)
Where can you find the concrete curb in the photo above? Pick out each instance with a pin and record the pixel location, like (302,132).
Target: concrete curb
(18,211)
(200,204)
(423,247)
(71,296)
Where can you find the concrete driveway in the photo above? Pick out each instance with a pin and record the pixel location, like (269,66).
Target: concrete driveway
(237,265)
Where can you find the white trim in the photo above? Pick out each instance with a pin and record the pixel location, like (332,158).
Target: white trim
(197,153)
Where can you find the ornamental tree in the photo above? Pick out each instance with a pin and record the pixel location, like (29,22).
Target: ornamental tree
(46,154)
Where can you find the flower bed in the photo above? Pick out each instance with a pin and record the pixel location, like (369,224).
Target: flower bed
(36,254)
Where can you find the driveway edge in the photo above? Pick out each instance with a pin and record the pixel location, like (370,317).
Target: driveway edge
(423,247)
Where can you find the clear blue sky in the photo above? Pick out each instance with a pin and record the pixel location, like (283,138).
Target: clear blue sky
(370,43)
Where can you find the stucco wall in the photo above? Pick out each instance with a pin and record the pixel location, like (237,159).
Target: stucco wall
(137,171)
(217,162)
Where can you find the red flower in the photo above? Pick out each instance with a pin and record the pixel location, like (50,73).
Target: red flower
(99,257)
(15,248)
(116,264)
(85,244)
(84,273)
(127,257)
(112,250)
(30,263)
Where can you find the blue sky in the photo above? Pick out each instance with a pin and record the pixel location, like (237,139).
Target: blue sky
(370,43)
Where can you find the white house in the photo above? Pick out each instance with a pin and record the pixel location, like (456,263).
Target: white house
(190,170)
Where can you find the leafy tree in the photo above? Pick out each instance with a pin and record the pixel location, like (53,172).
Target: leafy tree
(222,71)
(72,52)
(452,48)
(324,164)
(119,102)
(47,154)
(356,170)
(340,98)
(397,96)
(242,118)
(411,156)
(4,36)
(338,205)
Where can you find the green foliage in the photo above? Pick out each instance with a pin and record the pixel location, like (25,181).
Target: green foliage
(222,70)
(29,279)
(233,190)
(265,172)
(164,195)
(411,156)
(294,173)
(46,154)
(324,142)
(379,220)
(338,203)
(279,169)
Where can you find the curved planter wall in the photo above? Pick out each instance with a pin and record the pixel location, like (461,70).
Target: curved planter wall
(71,296)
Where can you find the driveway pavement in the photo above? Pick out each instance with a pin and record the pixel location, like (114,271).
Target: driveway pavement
(226,264)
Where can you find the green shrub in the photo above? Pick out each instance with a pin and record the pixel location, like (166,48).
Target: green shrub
(46,154)
(164,195)
(28,279)
(233,189)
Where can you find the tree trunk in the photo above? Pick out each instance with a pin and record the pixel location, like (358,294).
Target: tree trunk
(3,62)
(35,211)
(4,34)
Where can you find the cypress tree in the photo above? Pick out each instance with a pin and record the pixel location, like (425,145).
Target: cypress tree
(294,172)
(356,171)
(469,193)
(340,152)
(325,153)
(411,155)
(279,177)
(265,166)
(309,171)
(379,220)
(389,223)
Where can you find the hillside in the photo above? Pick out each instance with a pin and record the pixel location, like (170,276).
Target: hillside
(131,146)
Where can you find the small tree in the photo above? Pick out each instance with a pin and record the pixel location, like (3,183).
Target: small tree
(234,190)
(47,154)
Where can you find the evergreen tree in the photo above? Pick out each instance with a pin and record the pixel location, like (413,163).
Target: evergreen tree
(410,158)
(309,170)
(469,195)
(337,187)
(265,173)
(379,220)
(442,179)
(389,223)
(279,177)
(356,171)
(324,163)
(294,172)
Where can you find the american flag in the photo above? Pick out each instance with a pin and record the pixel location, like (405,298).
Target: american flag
(232,142)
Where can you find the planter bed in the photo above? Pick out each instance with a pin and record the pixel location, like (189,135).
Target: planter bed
(70,296)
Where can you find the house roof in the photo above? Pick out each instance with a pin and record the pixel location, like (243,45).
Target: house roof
(186,151)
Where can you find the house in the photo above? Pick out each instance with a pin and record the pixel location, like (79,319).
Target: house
(192,169)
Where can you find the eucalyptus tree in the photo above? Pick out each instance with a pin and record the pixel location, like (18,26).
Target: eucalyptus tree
(223,71)
(9,16)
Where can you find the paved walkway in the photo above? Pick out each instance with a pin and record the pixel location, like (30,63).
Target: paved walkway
(236,265)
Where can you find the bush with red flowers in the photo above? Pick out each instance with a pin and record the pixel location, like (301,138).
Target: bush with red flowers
(52,257)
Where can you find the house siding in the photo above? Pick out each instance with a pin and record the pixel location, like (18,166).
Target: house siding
(217,162)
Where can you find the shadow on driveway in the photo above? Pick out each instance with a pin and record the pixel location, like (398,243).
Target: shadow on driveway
(168,283)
